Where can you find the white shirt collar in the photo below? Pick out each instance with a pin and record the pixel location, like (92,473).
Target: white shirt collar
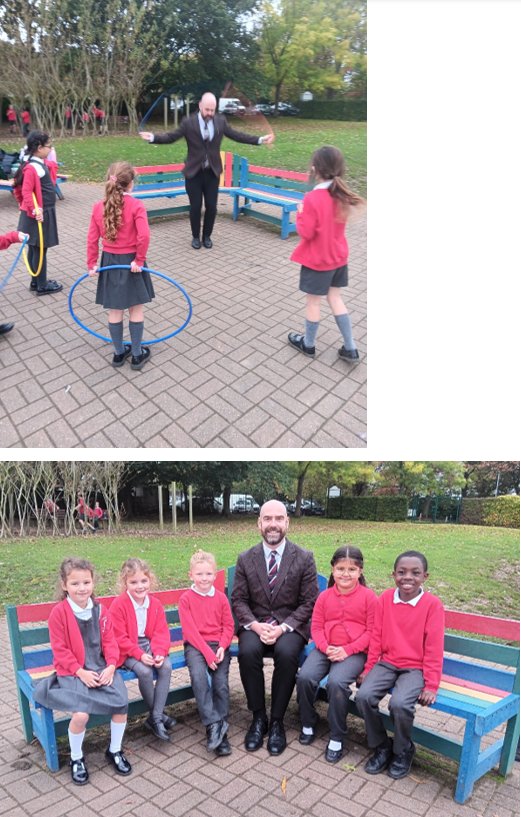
(279,550)
(37,159)
(323,185)
(210,593)
(145,604)
(413,602)
(80,612)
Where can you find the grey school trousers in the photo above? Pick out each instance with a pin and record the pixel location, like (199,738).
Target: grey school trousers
(154,697)
(408,683)
(213,702)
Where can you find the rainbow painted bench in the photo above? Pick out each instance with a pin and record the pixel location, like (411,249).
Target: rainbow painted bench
(484,696)
(31,664)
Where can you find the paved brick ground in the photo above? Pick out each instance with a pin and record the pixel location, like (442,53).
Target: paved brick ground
(230,379)
(180,779)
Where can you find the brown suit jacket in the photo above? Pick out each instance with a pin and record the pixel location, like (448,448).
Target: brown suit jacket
(294,594)
(190,130)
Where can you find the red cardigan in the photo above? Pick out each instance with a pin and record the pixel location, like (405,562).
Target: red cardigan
(31,184)
(407,636)
(8,239)
(323,245)
(125,628)
(206,618)
(344,619)
(67,643)
(133,235)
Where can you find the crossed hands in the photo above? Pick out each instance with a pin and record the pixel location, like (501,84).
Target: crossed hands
(267,633)
(97,679)
(152,661)
(336,653)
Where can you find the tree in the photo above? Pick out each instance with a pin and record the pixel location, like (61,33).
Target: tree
(481,478)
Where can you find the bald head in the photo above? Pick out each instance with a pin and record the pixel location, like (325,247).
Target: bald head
(273,522)
(207,106)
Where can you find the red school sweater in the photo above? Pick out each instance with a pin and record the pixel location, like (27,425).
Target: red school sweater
(8,239)
(407,636)
(344,619)
(67,643)
(323,245)
(31,184)
(206,618)
(125,628)
(132,236)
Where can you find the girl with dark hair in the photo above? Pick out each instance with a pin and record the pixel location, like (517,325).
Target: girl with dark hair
(323,251)
(85,656)
(122,224)
(35,180)
(340,627)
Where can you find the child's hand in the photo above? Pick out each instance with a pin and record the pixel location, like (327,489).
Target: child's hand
(107,676)
(300,207)
(159,661)
(219,655)
(22,236)
(93,272)
(213,665)
(135,267)
(361,678)
(336,654)
(426,697)
(39,216)
(90,678)
(147,660)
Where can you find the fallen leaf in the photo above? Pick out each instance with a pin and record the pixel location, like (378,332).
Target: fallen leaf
(348,768)
(416,780)
(283,786)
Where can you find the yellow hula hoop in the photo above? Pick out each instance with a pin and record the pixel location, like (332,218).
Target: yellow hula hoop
(35,274)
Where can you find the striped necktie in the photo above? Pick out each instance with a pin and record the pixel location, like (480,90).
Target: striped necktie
(272,570)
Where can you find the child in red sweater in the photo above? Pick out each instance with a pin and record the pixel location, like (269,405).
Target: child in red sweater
(5,242)
(405,652)
(323,251)
(121,222)
(85,656)
(207,622)
(143,637)
(341,626)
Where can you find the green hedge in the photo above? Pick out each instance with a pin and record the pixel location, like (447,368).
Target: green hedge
(347,110)
(498,512)
(369,508)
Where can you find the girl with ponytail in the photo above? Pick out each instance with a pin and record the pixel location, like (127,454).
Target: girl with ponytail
(121,222)
(323,251)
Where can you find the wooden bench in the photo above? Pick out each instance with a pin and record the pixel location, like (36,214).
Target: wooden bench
(485,697)
(45,514)
(32,664)
(7,184)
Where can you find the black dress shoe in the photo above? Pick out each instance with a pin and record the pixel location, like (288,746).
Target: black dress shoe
(207,241)
(139,361)
(215,732)
(119,761)
(79,772)
(333,755)
(118,360)
(380,760)
(306,740)
(401,764)
(255,734)
(158,728)
(196,244)
(277,738)
(168,722)
(349,354)
(298,342)
(5,328)
(224,748)
(50,288)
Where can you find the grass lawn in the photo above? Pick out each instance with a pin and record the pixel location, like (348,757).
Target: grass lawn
(472,569)
(87,159)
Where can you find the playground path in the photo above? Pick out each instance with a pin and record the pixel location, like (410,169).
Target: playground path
(182,780)
(229,380)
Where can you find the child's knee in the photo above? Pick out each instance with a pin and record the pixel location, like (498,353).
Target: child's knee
(80,720)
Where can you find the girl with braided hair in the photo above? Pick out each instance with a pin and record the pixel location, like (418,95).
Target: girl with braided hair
(121,223)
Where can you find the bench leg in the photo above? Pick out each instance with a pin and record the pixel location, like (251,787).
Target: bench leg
(284,230)
(43,724)
(468,762)
(236,208)
(509,746)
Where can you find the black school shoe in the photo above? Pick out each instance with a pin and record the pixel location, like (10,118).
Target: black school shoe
(255,734)
(215,733)
(196,244)
(168,722)
(158,728)
(79,773)
(118,360)
(5,328)
(139,361)
(349,354)
(33,285)
(333,755)
(207,242)
(276,738)
(50,288)
(297,341)
(401,764)
(119,761)
(380,760)
(224,748)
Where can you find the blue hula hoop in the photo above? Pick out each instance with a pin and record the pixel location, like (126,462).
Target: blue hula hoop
(127,266)
(4,282)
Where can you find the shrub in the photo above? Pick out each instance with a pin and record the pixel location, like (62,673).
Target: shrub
(369,508)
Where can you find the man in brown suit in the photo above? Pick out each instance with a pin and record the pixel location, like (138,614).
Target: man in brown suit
(274,591)
(204,133)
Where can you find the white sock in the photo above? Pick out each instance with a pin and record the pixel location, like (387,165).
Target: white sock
(307,730)
(116,736)
(334,745)
(75,742)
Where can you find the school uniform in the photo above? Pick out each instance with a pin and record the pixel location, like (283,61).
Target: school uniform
(26,117)
(39,177)
(81,639)
(405,651)
(207,623)
(121,288)
(143,629)
(339,620)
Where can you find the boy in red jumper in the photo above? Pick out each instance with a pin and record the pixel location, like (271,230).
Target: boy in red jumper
(207,622)
(405,652)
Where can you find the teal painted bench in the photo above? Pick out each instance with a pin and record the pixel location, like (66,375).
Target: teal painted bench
(32,664)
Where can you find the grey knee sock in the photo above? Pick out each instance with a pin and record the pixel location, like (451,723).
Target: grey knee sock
(116,333)
(311,332)
(136,336)
(344,324)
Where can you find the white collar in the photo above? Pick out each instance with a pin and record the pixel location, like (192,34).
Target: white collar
(36,159)
(323,185)
(279,550)
(413,602)
(76,607)
(145,604)
(210,593)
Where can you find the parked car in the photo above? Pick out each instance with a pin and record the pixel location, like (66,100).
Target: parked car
(267,110)
(314,509)
(286,109)
(303,505)
(230,106)
(246,506)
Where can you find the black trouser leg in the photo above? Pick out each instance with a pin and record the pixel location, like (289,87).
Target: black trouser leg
(211,190)
(194,189)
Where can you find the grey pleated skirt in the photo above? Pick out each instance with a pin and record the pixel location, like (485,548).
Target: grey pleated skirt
(121,288)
